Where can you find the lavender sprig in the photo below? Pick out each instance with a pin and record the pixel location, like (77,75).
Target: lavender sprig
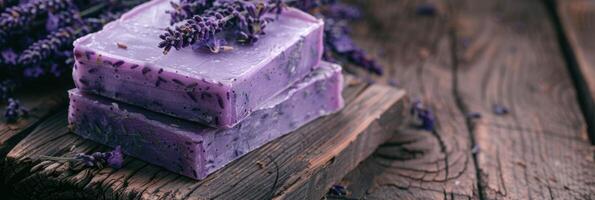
(14,111)
(337,190)
(185,9)
(113,159)
(22,15)
(62,19)
(63,37)
(245,17)
(338,38)
(42,49)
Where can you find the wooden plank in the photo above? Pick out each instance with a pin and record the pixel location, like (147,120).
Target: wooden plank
(577,21)
(415,164)
(41,101)
(300,165)
(508,54)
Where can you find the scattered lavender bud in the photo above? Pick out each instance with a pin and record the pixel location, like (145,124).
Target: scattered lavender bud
(14,111)
(16,17)
(246,19)
(115,159)
(475,149)
(61,38)
(337,190)
(423,114)
(337,38)
(425,9)
(252,26)
(58,20)
(473,115)
(499,109)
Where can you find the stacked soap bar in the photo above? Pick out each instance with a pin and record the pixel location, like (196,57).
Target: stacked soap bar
(195,150)
(122,62)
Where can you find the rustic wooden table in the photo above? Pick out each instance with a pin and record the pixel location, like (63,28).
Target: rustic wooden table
(535,57)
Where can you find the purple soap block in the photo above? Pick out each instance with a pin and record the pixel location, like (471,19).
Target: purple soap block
(122,62)
(195,150)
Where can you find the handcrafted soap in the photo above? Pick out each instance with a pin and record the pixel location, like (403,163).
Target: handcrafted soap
(195,150)
(122,62)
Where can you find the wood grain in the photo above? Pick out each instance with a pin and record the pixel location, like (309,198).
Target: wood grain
(41,102)
(415,164)
(301,165)
(577,21)
(507,54)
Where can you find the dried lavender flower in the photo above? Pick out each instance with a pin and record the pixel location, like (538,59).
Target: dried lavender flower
(244,17)
(426,9)
(252,25)
(62,19)
(473,115)
(113,159)
(338,39)
(44,48)
(337,190)
(423,114)
(22,15)
(185,9)
(14,111)
(61,38)
(499,109)
(8,56)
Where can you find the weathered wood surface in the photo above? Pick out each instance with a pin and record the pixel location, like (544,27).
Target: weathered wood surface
(301,165)
(41,102)
(508,54)
(577,21)
(416,164)
(505,52)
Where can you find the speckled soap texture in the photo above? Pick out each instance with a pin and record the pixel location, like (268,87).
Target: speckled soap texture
(122,62)
(195,150)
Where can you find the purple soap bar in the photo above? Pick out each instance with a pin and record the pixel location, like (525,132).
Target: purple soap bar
(122,62)
(196,150)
